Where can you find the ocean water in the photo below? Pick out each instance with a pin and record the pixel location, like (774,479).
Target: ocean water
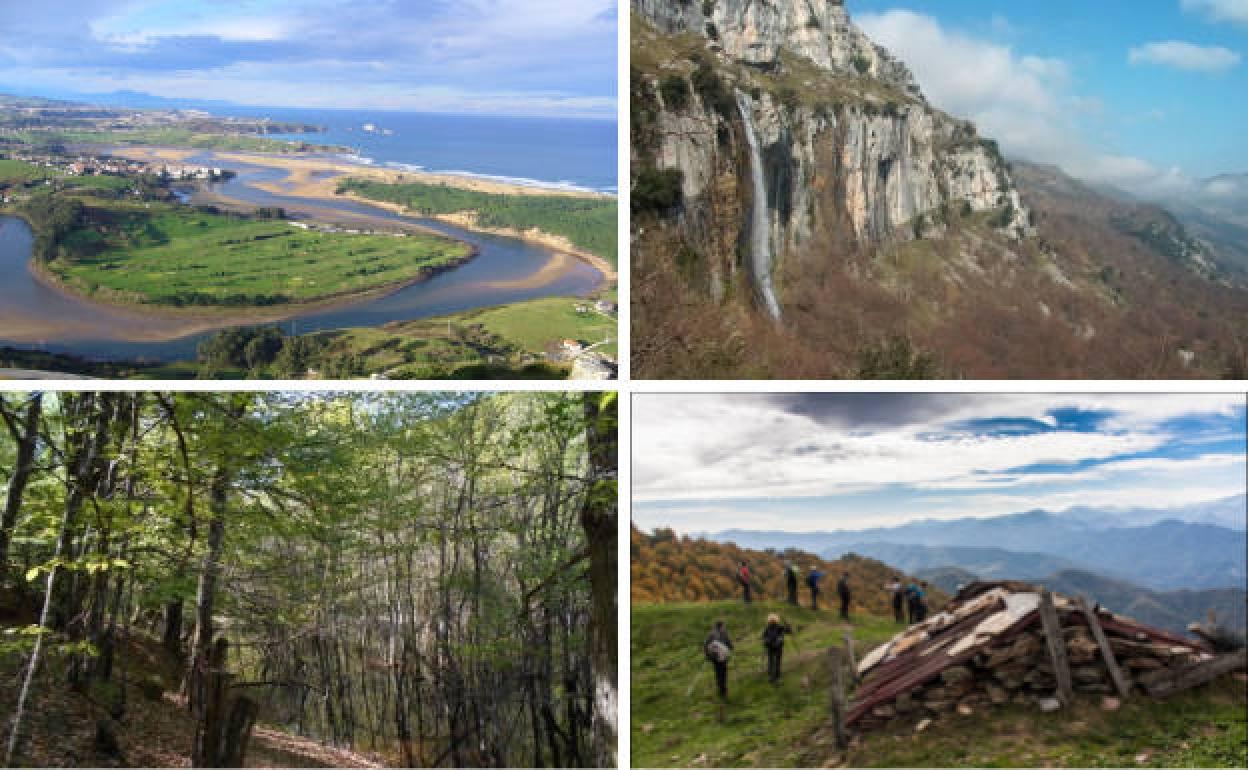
(557,152)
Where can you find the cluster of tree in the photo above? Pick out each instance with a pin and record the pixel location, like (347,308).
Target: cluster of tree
(430,577)
(589,223)
(52,218)
(667,567)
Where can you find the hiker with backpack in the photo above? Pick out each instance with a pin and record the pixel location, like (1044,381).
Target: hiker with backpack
(773,643)
(897,595)
(923,589)
(743,577)
(718,649)
(812,581)
(842,591)
(790,577)
(914,602)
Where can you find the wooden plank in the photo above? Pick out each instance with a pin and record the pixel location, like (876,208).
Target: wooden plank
(836,671)
(1057,648)
(1107,652)
(1197,674)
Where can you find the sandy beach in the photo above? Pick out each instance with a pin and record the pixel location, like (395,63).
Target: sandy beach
(300,171)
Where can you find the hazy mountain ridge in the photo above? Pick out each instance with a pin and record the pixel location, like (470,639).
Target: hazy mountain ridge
(1166,609)
(1160,553)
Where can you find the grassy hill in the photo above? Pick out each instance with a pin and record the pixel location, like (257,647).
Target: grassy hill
(676,721)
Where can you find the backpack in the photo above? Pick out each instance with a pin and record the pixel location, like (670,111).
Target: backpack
(718,651)
(773,637)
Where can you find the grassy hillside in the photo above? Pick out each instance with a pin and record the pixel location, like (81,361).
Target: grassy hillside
(667,567)
(675,717)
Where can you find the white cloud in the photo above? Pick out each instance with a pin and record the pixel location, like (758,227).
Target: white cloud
(1220,10)
(1026,102)
(1184,56)
(738,447)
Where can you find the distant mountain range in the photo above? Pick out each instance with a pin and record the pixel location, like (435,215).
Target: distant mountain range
(1193,547)
(1165,609)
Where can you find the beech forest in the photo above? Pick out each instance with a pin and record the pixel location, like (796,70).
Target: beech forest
(308,579)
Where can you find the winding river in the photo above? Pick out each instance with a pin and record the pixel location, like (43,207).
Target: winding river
(505,270)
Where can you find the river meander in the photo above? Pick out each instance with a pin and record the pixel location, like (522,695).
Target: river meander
(505,270)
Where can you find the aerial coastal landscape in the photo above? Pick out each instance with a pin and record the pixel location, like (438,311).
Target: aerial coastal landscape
(147,234)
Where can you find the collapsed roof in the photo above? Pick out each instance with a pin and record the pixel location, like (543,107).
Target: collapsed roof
(989,645)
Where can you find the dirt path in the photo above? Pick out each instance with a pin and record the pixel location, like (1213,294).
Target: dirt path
(273,748)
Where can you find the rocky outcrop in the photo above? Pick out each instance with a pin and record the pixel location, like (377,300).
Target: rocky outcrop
(844,133)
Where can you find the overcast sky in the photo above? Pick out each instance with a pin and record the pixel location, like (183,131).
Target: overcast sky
(831,461)
(527,57)
(1145,94)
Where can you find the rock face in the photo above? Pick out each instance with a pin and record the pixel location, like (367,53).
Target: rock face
(847,139)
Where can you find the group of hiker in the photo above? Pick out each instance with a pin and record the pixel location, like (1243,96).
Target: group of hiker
(909,602)
(718,649)
(791,573)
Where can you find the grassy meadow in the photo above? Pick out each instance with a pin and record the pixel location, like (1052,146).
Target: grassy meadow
(676,720)
(156,254)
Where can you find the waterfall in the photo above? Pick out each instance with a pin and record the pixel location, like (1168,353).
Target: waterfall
(760,227)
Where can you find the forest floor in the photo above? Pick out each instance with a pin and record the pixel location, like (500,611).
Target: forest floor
(677,722)
(62,724)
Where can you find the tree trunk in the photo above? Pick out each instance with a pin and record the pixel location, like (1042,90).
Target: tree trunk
(206,592)
(85,460)
(26,439)
(599,518)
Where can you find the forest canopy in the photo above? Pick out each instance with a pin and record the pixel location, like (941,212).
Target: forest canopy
(412,579)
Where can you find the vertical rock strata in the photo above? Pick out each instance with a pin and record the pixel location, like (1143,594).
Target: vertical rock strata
(845,135)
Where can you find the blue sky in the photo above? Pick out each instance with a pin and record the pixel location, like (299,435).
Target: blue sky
(806,462)
(513,57)
(1146,94)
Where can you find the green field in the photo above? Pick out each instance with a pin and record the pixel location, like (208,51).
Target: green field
(589,223)
(537,324)
(16,172)
(675,716)
(159,254)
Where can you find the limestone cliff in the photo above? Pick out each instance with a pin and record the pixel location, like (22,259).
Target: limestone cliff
(842,134)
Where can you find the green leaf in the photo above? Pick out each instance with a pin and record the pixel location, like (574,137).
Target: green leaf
(32,573)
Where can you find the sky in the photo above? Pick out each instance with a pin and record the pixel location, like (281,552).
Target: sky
(1147,95)
(508,57)
(810,462)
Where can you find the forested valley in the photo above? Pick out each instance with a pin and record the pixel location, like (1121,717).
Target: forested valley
(308,579)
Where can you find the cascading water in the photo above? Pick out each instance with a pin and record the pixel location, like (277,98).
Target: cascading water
(760,227)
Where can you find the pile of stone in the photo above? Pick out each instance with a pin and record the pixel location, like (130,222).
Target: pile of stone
(1000,642)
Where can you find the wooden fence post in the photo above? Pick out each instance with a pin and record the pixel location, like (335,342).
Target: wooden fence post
(836,671)
(1107,652)
(851,657)
(1057,648)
